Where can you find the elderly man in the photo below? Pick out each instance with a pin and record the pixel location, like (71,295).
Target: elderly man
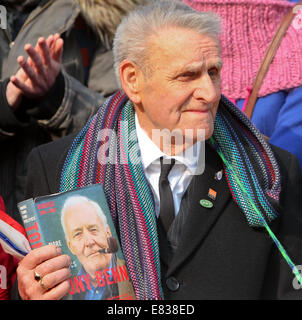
(206,225)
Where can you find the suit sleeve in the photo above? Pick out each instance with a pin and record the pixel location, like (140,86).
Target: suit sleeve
(9,122)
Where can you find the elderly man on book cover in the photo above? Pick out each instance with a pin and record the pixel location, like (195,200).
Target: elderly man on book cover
(89,238)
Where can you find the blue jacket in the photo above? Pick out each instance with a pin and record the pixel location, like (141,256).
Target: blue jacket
(279,116)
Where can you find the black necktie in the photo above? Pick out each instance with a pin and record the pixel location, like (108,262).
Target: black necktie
(166,213)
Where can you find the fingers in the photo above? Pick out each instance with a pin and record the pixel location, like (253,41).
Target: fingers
(53,269)
(51,280)
(39,255)
(13,95)
(39,72)
(58,52)
(37,59)
(43,49)
(50,43)
(57,292)
(55,44)
(49,266)
(29,71)
(51,287)
(20,79)
(21,86)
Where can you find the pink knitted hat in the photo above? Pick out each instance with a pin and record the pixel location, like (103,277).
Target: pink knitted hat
(248,27)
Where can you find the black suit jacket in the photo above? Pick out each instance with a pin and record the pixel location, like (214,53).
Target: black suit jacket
(219,255)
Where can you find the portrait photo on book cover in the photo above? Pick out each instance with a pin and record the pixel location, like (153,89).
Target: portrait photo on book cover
(102,274)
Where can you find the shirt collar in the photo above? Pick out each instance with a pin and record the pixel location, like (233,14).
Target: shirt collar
(150,152)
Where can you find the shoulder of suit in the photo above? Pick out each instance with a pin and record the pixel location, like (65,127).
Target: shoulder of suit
(56,147)
(287,161)
(281,154)
(53,154)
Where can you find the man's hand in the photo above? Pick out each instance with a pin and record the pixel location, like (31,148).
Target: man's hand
(38,73)
(53,268)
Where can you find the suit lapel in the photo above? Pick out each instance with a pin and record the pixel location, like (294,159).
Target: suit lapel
(200,219)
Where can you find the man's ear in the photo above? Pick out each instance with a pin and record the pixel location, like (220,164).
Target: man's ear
(130,77)
(70,246)
(108,232)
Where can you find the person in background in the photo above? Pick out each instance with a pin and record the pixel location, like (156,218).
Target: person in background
(56,68)
(248,28)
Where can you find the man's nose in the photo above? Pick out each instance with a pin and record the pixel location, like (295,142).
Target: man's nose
(88,239)
(206,89)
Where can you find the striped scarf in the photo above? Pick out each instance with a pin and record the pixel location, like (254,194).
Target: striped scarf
(106,151)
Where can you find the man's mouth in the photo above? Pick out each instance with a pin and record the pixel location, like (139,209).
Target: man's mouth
(197,110)
(93,254)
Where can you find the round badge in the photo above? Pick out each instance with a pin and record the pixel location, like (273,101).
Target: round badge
(206,203)
(218,175)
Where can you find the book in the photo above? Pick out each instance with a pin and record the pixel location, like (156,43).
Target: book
(80,223)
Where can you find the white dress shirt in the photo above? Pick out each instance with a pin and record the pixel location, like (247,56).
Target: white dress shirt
(180,175)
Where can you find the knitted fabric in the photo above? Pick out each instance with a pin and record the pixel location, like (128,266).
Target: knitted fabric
(252,163)
(106,151)
(248,27)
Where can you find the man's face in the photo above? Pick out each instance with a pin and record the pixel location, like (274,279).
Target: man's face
(183,88)
(86,235)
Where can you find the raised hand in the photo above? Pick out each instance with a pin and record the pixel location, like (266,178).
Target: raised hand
(38,73)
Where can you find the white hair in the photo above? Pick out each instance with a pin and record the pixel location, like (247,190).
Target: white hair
(130,41)
(76,200)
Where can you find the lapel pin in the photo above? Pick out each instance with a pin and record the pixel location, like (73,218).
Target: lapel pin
(218,175)
(206,203)
(212,194)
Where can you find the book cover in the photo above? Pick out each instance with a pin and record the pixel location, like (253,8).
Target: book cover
(79,222)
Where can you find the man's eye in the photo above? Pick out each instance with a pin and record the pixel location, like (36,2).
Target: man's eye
(77,234)
(187,75)
(213,72)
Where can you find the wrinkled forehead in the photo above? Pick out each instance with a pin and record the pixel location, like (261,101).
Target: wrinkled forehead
(82,214)
(184,46)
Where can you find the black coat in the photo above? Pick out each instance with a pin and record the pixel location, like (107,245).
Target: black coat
(219,256)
